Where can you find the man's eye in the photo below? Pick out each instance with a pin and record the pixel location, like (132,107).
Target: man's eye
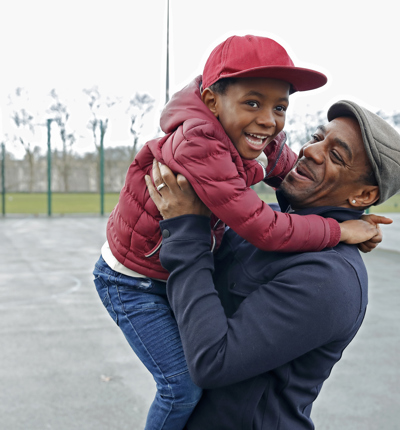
(315,137)
(337,157)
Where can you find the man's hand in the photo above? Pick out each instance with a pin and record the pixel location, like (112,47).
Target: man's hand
(364,232)
(176,197)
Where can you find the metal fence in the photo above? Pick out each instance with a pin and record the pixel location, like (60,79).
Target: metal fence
(99,173)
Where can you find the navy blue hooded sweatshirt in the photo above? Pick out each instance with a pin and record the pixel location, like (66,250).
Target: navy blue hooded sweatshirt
(261,330)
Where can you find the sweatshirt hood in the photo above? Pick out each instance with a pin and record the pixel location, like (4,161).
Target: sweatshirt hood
(185,104)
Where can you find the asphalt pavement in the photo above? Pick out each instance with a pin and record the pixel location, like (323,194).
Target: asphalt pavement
(64,365)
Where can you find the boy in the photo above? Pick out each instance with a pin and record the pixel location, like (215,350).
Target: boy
(215,128)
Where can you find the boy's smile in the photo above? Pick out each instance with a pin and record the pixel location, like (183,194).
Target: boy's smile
(252,112)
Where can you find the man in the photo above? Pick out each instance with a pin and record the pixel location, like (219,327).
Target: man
(261,331)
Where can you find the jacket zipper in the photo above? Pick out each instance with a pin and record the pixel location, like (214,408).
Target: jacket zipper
(158,246)
(154,250)
(213,235)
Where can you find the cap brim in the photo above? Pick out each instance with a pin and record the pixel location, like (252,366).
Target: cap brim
(299,78)
(341,108)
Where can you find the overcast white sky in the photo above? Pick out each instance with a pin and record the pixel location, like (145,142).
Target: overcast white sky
(120,46)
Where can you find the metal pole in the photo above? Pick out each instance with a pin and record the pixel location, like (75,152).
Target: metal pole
(49,167)
(167,71)
(3,179)
(101,167)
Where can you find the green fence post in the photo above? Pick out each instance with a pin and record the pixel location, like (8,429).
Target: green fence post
(3,179)
(49,167)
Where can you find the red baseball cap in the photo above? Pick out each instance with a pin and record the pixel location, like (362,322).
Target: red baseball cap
(258,57)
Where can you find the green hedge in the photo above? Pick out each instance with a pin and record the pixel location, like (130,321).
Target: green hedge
(61,203)
(89,203)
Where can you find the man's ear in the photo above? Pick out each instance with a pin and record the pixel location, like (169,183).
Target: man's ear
(210,100)
(366,197)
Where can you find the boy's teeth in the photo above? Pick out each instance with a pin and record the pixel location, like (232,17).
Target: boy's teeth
(259,140)
(257,136)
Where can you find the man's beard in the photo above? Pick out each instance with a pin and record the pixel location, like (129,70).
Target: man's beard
(288,197)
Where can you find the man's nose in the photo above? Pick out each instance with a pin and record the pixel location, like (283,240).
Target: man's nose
(314,151)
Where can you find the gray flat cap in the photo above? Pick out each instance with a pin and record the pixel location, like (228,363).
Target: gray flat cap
(382,144)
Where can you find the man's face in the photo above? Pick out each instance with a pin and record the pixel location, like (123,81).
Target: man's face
(252,112)
(330,167)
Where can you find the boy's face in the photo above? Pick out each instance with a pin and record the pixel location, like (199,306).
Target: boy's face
(252,112)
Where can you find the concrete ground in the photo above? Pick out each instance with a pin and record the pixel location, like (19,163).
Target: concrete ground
(64,365)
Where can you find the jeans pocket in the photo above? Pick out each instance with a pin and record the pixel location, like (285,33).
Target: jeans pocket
(103,292)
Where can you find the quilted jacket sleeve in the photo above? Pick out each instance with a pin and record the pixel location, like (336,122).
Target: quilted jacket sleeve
(281,160)
(210,165)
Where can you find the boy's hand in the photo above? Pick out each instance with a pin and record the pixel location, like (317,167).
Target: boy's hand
(364,232)
(177,197)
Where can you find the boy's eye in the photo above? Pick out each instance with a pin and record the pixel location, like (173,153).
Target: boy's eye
(281,108)
(253,104)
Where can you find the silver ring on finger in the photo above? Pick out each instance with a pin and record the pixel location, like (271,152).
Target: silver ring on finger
(161,186)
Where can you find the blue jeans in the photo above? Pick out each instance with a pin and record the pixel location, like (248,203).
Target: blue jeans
(140,308)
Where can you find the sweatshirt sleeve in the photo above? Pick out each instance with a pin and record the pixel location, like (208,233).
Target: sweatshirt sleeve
(278,322)
(210,166)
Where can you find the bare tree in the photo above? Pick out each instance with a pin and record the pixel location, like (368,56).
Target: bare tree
(99,108)
(94,105)
(299,128)
(59,112)
(396,119)
(139,106)
(24,121)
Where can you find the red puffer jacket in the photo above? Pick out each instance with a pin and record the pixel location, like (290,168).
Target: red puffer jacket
(197,146)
